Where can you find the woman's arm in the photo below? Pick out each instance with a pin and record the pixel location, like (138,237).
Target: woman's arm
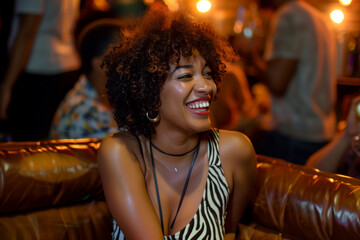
(239,163)
(329,157)
(125,189)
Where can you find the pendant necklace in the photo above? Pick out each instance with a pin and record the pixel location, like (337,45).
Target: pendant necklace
(173,155)
(185,185)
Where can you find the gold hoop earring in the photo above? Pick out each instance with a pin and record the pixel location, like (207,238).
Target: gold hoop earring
(153,120)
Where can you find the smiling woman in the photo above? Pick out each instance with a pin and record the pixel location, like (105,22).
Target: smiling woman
(186,94)
(170,175)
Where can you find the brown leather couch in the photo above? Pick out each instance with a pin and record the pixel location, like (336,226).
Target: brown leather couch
(52,190)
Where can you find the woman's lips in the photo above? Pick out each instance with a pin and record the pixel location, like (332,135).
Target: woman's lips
(199,107)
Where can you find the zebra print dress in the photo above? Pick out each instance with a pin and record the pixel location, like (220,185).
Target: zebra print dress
(209,220)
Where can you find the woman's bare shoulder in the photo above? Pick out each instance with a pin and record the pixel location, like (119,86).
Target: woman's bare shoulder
(117,145)
(238,159)
(118,138)
(235,144)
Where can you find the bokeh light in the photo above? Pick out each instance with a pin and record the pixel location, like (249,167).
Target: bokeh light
(203,6)
(248,33)
(337,16)
(238,26)
(173,5)
(345,2)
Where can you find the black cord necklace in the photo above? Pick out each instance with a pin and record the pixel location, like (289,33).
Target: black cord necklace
(173,155)
(183,191)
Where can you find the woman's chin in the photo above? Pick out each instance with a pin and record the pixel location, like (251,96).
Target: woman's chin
(203,126)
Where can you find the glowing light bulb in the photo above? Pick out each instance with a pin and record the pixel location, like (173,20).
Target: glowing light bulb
(337,16)
(203,6)
(345,2)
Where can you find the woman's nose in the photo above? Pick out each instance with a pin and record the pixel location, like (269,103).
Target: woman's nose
(204,85)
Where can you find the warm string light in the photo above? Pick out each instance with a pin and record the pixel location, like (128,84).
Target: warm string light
(337,16)
(345,2)
(203,6)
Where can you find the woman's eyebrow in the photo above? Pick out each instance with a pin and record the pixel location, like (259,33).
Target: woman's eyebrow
(181,66)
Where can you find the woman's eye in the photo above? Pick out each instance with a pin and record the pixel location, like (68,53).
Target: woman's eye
(208,74)
(184,76)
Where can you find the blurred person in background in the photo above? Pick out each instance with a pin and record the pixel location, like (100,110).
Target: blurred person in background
(235,107)
(6,12)
(43,65)
(85,111)
(299,69)
(240,104)
(342,154)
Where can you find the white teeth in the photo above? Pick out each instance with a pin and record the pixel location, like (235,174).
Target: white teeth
(199,105)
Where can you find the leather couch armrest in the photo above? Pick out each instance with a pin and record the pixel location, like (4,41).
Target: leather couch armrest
(305,203)
(35,175)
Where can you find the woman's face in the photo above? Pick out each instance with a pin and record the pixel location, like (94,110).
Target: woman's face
(186,95)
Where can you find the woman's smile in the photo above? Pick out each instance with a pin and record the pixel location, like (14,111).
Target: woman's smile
(187,94)
(200,106)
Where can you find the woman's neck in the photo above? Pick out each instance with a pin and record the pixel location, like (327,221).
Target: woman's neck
(174,142)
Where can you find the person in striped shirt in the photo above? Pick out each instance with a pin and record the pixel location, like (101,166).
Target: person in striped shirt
(171,176)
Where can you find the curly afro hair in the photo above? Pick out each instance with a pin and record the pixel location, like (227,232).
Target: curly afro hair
(138,65)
